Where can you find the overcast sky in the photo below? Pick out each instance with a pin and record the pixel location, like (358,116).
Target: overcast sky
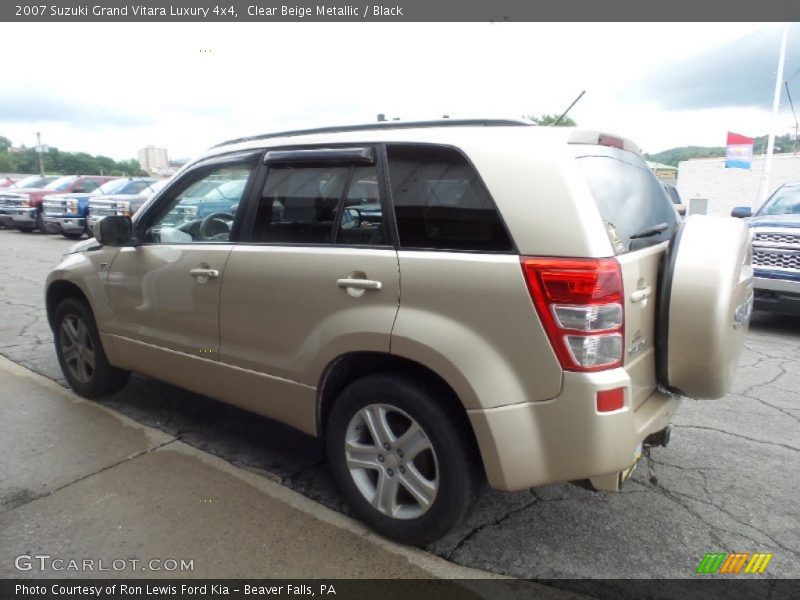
(114,88)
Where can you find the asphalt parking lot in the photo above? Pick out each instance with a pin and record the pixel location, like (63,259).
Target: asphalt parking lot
(729,481)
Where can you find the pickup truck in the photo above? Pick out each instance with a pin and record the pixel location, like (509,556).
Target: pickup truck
(24,207)
(11,193)
(776,250)
(119,204)
(66,213)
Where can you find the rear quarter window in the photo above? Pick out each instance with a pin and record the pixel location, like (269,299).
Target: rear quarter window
(629,197)
(440,202)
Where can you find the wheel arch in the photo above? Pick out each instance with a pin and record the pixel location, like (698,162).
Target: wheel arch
(57,292)
(346,368)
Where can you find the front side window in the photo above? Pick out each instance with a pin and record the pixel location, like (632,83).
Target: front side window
(195,214)
(440,203)
(320,205)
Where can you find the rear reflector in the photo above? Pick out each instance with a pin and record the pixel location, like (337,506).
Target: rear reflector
(610,400)
(580,304)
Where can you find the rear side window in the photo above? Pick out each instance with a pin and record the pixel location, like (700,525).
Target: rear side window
(440,203)
(320,205)
(635,210)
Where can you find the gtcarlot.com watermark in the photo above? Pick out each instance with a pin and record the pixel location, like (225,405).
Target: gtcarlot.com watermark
(48,563)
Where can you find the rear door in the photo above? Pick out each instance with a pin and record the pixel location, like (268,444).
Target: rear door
(316,277)
(639,220)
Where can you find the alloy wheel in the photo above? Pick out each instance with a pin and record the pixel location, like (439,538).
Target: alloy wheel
(77,348)
(392,461)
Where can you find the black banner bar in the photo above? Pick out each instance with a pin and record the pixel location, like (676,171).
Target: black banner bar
(714,588)
(399,10)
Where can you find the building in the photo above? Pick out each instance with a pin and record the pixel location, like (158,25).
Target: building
(727,188)
(663,172)
(154,160)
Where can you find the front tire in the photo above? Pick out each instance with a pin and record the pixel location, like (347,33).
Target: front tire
(400,460)
(80,352)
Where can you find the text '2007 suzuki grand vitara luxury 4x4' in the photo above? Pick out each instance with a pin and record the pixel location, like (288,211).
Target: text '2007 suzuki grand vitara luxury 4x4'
(443,301)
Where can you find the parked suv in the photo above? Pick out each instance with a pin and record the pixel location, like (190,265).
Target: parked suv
(776,250)
(66,213)
(120,204)
(24,208)
(445,303)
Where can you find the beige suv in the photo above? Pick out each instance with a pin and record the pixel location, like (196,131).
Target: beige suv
(445,302)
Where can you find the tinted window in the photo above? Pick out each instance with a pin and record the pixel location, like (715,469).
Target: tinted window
(440,203)
(629,197)
(298,205)
(362,219)
(89,185)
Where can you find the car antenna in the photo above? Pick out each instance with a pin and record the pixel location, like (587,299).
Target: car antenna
(569,108)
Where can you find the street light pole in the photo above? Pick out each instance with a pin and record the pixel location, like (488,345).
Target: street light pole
(776,102)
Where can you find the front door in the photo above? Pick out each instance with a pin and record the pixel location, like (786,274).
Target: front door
(164,292)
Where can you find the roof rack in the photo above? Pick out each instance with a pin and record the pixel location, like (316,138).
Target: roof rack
(384,125)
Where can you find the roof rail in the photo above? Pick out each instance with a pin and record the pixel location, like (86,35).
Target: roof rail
(384,125)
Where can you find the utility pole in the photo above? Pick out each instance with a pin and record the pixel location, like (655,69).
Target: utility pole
(40,152)
(776,102)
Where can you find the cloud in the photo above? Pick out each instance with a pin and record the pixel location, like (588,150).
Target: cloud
(740,73)
(45,106)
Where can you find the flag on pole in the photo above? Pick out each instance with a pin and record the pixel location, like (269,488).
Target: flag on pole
(739,153)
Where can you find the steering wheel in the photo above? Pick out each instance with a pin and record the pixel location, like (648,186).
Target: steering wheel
(217,217)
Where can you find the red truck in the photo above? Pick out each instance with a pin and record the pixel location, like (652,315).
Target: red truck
(22,209)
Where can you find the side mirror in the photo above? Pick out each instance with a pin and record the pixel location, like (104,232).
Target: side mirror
(114,230)
(742,212)
(682,210)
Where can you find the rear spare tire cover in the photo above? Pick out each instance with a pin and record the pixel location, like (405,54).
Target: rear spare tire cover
(706,297)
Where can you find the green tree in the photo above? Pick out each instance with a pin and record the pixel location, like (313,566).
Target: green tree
(550,120)
(5,144)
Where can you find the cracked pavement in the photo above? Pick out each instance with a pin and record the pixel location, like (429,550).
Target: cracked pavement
(729,480)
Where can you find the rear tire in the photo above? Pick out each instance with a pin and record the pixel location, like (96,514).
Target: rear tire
(80,352)
(419,478)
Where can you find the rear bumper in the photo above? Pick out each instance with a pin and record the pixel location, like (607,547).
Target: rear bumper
(566,439)
(67,224)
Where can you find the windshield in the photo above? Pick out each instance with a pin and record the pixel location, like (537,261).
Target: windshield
(61,184)
(110,187)
(154,187)
(31,182)
(786,201)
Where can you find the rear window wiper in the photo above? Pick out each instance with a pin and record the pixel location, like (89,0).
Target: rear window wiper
(649,231)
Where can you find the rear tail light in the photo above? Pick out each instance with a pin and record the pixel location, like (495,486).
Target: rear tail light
(580,303)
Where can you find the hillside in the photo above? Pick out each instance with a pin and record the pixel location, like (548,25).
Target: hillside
(673,156)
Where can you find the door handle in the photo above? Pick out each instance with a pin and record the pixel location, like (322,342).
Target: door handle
(209,273)
(641,294)
(360,284)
